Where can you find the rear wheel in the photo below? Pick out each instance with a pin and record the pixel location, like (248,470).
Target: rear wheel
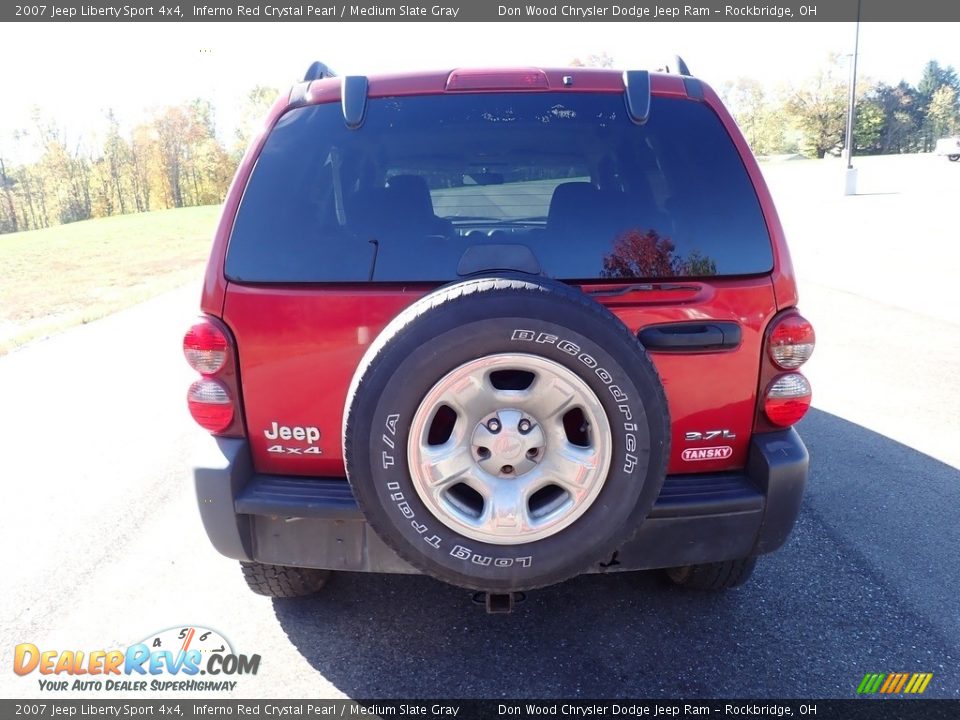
(713,576)
(283,581)
(953,158)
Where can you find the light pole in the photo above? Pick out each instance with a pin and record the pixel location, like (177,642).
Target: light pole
(850,187)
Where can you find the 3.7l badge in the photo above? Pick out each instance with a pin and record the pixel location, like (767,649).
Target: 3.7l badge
(710,435)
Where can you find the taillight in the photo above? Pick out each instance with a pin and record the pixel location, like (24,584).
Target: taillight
(210,404)
(213,399)
(791,342)
(787,399)
(205,348)
(784,396)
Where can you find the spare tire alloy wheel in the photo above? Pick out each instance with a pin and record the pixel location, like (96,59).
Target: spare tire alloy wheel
(508,471)
(502,434)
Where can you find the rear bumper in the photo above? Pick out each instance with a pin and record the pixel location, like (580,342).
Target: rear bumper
(315,522)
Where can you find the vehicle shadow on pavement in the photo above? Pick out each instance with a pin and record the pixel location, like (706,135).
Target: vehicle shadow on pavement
(861,586)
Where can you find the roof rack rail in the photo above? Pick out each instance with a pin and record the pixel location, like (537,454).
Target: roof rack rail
(679,66)
(318,71)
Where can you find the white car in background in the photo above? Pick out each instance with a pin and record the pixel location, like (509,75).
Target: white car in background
(949,147)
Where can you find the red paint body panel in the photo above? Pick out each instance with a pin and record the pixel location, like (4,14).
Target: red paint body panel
(299,349)
(299,346)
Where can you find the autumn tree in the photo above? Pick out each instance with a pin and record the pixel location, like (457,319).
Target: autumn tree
(172,128)
(761,120)
(868,125)
(902,117)
(255,108)
(64,168)
(819,109)
(116,156)
(8,220)
(943,116)
(31,192)
(195,165)
(937,95)
(647,254)
(146,173)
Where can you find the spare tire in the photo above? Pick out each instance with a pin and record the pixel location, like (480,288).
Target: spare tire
(504,434)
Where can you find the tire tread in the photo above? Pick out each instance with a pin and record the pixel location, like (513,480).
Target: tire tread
(283,581)
(713,576)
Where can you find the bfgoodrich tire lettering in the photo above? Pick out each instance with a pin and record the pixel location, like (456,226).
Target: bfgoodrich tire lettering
(511,317)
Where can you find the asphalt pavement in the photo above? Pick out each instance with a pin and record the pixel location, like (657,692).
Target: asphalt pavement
(105,547)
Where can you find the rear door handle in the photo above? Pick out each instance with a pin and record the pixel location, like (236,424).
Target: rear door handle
(690,336)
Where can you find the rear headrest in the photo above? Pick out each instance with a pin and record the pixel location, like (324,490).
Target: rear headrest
(364,209)
(570,201)
(412,193)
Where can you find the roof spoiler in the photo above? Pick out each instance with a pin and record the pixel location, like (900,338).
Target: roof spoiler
(353,99)
(318,71)
(636,87)
(692,85)
(679,67)
(353,92)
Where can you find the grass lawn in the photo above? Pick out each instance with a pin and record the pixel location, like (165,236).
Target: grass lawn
(55,278)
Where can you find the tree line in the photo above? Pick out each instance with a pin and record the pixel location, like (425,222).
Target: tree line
(174,159)
(810,119)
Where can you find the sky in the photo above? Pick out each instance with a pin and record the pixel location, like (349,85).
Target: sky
(75,72)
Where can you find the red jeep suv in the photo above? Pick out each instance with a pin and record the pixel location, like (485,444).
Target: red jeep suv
(502,327)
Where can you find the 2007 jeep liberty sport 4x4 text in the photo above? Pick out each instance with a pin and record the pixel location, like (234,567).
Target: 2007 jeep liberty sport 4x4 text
(502,327)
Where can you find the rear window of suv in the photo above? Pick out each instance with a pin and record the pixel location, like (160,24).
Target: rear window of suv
(566,180)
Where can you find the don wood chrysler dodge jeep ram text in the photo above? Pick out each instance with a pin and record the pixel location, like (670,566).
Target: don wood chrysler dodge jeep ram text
(502,327)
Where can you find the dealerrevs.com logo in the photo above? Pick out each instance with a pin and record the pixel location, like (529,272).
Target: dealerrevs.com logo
(169,660)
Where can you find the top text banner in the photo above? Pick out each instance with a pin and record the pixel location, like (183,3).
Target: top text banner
(479,11)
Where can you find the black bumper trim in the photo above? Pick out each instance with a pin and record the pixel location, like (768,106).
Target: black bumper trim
(307,497)
(778,463)
(223,470)
(311,497)
(315,522)
(713,494)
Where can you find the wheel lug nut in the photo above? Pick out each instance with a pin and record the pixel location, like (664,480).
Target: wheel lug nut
(532,453)
(507,469)
(493,426)
(524,426)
